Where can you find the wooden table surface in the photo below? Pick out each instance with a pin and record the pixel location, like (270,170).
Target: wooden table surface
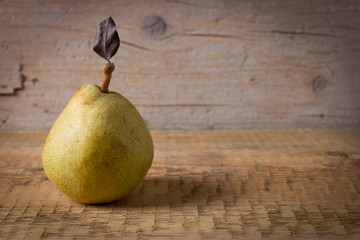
(203,184)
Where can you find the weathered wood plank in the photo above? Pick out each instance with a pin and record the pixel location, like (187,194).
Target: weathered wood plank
(187,64)
(202,184)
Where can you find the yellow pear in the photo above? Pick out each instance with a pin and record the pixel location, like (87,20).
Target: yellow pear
(99,149)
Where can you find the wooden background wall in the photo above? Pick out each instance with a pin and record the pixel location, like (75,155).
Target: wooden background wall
(187,64)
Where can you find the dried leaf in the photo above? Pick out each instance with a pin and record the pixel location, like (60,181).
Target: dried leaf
(107,40)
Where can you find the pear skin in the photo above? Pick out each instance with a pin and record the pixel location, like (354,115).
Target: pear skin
(99,148)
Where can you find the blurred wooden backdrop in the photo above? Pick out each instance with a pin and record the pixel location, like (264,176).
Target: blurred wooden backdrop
(187,64)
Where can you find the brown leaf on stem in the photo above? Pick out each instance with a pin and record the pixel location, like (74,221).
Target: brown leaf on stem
(107,40)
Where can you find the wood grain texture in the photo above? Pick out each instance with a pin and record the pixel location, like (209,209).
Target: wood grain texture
(202,185)
(187,64)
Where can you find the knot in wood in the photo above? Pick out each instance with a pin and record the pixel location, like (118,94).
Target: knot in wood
(319,83)
(154,26)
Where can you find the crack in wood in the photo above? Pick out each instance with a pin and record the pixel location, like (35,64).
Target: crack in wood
(210,35)
(303,33)
(22,80)
(136,46)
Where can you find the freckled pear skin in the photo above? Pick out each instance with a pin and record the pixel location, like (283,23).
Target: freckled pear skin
(99,149)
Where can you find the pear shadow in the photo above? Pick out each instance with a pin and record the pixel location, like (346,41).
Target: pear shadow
(168,191)
(173,190)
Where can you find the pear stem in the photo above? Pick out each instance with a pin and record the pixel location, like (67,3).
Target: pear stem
(108,68)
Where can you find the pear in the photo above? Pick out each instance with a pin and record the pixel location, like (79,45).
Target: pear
(99,148)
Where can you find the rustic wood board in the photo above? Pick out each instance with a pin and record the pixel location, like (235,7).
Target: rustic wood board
(203,184)
(187,64)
